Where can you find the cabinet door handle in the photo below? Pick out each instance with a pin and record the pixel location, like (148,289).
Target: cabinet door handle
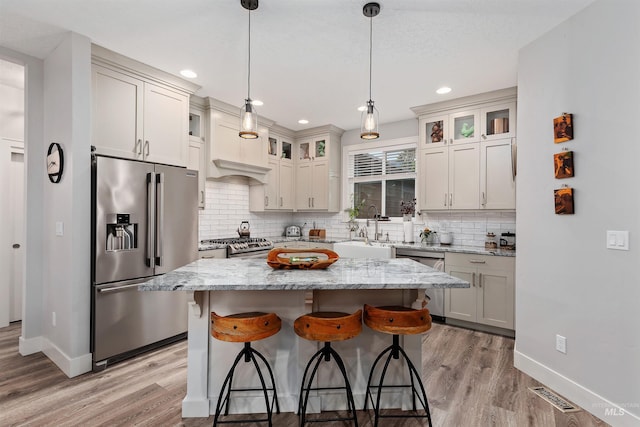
(146,146)
(484,199)
(280,201)
(450,199)
(309,202)
(445,199)
(473,279)
(477,261)
(514,152)
(137,149)
(480,280)
(207,257)
(313,202)
(202,196)
(266,201)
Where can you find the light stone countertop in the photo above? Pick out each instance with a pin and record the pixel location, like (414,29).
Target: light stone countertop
(346,273)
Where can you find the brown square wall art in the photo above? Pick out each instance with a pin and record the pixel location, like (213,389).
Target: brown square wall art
(563,128)
(563,164)
(564,201)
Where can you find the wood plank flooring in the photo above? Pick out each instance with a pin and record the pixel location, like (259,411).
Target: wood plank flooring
(469,377)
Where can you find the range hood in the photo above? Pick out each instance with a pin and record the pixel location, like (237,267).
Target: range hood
(230,155)
(220,168)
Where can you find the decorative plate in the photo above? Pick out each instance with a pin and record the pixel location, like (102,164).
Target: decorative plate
(282,258)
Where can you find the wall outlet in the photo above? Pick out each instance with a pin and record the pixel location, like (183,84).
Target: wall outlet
(561,344)
(53,318)
(59,228)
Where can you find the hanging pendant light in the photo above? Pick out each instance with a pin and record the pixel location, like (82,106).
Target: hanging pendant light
(369,126)
(248,114)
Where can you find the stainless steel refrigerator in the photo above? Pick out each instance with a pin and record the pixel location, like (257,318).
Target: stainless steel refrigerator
(145,223)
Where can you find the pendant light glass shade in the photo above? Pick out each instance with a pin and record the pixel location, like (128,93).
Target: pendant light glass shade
(369,126)
(248,114)
(248,120)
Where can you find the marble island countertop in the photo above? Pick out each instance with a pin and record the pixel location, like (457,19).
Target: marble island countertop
(346,273)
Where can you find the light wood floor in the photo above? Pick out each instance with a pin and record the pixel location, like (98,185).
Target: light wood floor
(469,377)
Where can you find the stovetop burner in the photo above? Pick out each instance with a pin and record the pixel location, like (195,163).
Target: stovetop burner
(238,245)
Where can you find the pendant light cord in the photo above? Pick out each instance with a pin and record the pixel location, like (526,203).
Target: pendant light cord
(249,73)
(370,51)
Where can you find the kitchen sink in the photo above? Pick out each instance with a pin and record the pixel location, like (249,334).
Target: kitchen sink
(359,249)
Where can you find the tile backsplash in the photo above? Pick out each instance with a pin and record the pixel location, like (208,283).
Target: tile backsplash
(227,204)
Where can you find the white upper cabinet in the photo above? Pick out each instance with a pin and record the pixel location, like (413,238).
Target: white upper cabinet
(197,146)
(497,179)
(463,127)
(467,152)
(317,169)
(138,112)
(498,121)
(277,193)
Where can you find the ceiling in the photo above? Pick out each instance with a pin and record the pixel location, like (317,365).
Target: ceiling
(309,58)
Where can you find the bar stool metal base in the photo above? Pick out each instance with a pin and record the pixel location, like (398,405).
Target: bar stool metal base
(249,354)
(394,352)
(325,353)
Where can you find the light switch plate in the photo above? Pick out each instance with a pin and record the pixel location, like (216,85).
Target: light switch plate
(59,228)
(618,240)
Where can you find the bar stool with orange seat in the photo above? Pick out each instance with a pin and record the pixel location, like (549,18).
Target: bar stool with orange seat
(397,320)
(327,327)
(246,328)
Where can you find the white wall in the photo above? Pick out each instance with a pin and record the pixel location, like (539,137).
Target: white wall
(63,262)
(567,283)
(393,130)
(31,337)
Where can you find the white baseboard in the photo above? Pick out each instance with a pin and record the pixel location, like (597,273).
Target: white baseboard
(614,414)
(29,346)
(72,367)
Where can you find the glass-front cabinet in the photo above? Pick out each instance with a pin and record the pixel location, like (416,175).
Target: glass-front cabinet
(279,149)
(434,131)
(498,121)
(312,150)
(463,127)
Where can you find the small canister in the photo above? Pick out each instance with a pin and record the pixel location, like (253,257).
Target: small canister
(490,241)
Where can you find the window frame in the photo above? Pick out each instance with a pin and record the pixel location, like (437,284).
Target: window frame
(384,145)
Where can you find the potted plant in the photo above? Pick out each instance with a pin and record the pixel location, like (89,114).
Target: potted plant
(427,235)
(353,212)
(407,209)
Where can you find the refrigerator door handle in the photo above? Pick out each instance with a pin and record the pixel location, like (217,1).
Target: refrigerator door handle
(151,197)
(118,288)
(160,215)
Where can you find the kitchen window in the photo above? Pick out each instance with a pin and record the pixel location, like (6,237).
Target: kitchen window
(383,175)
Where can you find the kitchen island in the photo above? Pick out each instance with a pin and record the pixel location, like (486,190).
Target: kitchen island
(229,286)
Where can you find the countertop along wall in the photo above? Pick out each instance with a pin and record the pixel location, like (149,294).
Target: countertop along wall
(567,282)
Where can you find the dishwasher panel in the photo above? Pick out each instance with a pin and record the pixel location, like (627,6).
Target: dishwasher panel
(435,260)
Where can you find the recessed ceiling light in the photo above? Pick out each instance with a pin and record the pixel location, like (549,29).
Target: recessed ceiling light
(443,90)
(362,108)
(257,102)
(303,121)
(188,74)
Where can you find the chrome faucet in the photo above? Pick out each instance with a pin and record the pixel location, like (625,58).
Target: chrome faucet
(376,235)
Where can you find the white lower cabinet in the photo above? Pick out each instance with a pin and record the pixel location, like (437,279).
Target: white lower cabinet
(491,298)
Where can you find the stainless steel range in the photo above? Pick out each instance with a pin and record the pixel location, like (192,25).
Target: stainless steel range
(243,247)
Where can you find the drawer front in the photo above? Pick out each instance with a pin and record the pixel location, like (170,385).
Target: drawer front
(480,261)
